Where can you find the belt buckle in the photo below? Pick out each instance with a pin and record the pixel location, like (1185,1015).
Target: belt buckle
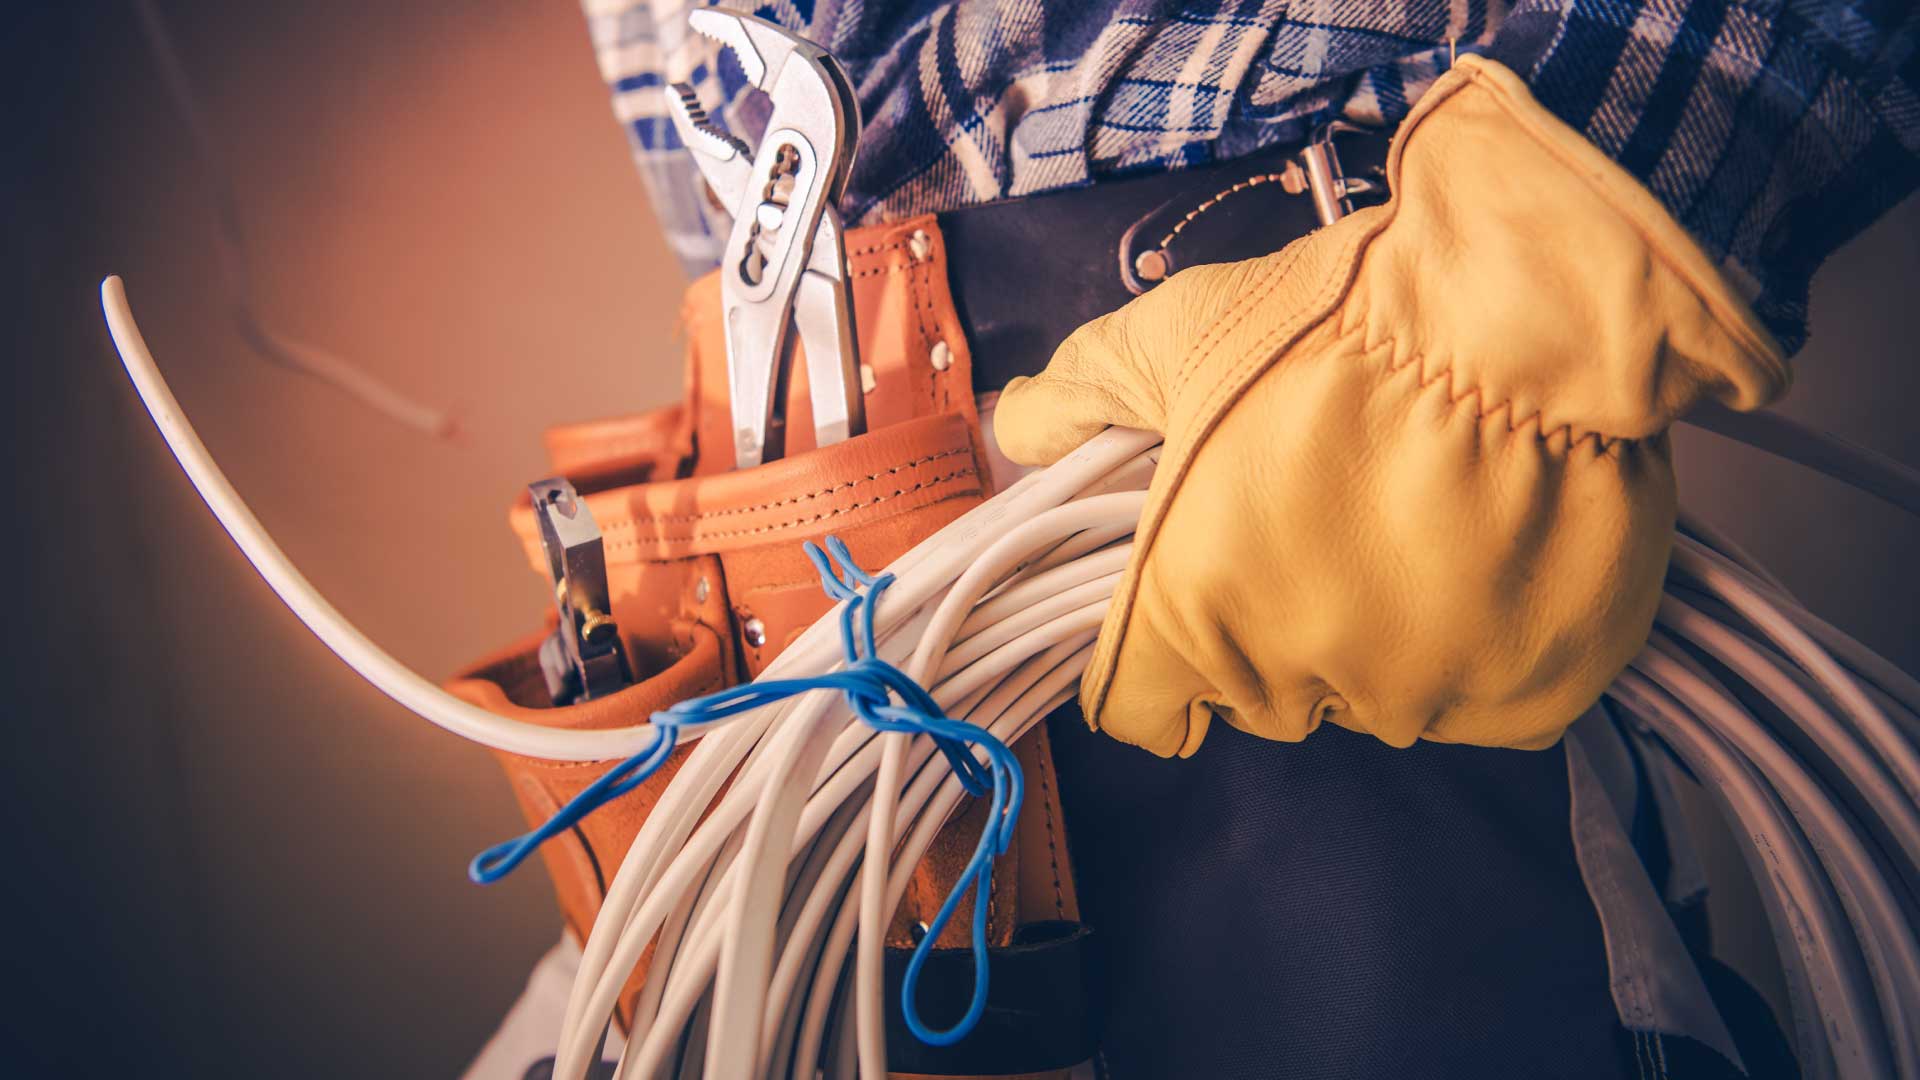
(1323,177)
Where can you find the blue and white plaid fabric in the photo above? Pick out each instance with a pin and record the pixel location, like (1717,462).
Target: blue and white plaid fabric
(1773,130)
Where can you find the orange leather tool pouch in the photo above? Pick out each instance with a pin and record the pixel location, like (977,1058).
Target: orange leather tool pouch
(708,580)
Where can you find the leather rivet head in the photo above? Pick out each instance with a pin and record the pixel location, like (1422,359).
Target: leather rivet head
(1151,264)
(920,245)
(1293,180)
(701,590)
(755,632)
(941,356)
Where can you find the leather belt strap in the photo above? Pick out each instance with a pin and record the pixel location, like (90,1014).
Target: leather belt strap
(1028,272)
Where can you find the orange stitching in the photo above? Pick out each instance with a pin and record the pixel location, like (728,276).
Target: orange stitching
(628,523)
(848,509)
(1046,807)
(993,904)
(781,586)
(893,245)
(1603,443)
(1177,462)
(1223,328)
(924,301)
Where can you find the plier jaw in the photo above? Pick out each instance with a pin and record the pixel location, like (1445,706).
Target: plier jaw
(784,266)
(583,657)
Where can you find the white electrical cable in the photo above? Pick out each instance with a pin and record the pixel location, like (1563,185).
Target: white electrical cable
(630,916)
(1851,758)
(1887,943)
(1813,925)
(1848,931)
(787,839)
(359,652)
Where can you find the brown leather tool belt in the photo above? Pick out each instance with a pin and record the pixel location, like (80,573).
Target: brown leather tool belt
(707,580)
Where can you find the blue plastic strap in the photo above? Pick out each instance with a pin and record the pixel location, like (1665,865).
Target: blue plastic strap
(501,859)
(871,687)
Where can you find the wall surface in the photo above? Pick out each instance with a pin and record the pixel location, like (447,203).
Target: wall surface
(230,856)
(241,860)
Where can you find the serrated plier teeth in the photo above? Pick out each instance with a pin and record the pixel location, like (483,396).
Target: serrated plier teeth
(783,269)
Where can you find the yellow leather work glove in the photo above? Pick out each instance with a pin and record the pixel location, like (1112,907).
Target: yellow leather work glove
(1416,478)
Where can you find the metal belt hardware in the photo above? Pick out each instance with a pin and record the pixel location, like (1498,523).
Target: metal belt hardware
(583,658)
(785,264)
(1315,170)
(1332,190)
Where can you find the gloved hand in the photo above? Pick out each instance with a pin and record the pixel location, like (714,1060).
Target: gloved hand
(1416,478)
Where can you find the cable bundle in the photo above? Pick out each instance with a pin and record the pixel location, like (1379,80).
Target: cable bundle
(753,899)
(996,615)
(1807,741)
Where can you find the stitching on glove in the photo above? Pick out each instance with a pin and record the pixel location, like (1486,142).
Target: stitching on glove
(1604,445)
(1257,291)
(1267,351)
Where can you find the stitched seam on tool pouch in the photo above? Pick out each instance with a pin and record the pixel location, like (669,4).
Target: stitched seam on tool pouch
(889,268)
(822,516)
(920,287)
(1046,809)
(632,523)
(1607,883)
(895,244)
(993,902)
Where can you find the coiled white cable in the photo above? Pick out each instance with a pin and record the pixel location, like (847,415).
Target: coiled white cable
(753,898)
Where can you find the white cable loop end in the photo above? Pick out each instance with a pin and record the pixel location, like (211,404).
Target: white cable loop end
(375,664)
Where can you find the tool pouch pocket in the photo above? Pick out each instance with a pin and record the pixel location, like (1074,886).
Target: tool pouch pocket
(708,582)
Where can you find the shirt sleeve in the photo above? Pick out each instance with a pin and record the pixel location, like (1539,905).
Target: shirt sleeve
(1773,131)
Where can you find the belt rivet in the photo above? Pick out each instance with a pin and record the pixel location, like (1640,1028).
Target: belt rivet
(920,245)
(1151,264)
(942,356)
(700,591)
(755,631)
(867,380)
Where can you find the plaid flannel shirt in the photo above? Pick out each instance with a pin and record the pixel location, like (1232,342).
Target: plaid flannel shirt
(1773,130)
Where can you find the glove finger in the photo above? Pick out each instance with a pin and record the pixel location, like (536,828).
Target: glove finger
(1040,420)
(1152,695)
(1115,370)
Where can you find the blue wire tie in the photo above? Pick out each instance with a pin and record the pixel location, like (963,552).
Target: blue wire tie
(870,686)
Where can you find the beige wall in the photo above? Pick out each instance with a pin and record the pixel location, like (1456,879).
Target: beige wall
(271,856)
(440,193)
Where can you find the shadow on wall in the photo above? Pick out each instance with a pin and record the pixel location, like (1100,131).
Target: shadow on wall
(234,857)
